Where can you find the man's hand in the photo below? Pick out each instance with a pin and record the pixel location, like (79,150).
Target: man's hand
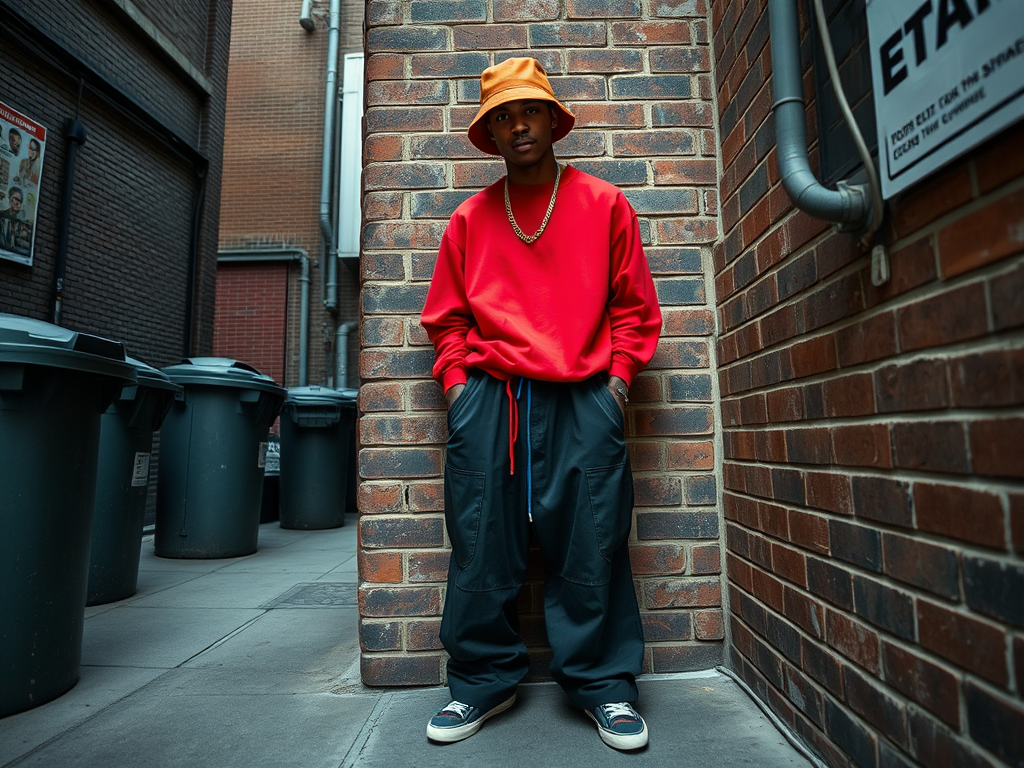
(617,387)
(453,394)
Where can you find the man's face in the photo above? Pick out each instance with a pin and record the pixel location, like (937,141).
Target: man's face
(14,142)
(522,130)
(15,201)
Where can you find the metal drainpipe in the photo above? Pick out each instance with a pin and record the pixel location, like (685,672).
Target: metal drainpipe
(327,162)
(305,19)
(848,206)
(304,318)
(341,354)
(76,136)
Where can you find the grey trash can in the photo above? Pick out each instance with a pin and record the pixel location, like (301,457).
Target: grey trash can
(213,447)
(54,386)
(316,449)
(122,483)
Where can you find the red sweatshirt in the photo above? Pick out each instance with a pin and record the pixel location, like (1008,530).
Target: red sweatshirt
(578,301)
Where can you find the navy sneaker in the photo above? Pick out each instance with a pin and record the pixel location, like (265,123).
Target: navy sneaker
(458,721)
(619,725)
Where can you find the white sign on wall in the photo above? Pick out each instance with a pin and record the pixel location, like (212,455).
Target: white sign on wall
(947,75)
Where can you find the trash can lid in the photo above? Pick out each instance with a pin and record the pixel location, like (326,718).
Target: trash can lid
(151,377)
(222,372)
(313,396)
(34,342)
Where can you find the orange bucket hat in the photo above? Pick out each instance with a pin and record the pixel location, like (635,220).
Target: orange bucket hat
(511,80)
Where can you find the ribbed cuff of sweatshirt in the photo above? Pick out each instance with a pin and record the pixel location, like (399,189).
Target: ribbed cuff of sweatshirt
(624,368)
(453,376)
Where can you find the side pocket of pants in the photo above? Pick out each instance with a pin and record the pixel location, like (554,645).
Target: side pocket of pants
(463,503)
(611,503)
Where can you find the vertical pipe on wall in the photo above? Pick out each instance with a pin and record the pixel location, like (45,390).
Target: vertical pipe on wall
(76,136)
(327,162)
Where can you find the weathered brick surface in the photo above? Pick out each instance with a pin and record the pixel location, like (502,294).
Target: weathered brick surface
(636,76)
(872,465)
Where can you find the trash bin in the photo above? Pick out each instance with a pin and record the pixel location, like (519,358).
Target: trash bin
(122,483)
(213,447)
(316,449)
(54,386)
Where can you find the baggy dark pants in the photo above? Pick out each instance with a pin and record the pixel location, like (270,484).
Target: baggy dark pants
(572,473)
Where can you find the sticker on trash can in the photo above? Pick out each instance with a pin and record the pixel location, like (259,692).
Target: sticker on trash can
(273,460)
(140,475)
(262,462)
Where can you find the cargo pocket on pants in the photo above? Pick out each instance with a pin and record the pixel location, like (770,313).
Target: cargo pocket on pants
(611,502)
(463,503)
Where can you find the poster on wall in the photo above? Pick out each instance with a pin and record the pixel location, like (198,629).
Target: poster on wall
(22,147)
(947,75)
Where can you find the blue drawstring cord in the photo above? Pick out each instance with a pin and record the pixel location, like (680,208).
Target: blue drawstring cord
(529,451)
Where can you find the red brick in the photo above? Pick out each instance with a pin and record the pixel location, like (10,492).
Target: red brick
(852,639)
(816,355)
(525,10)
(988,379)
(380,567)
(995,447)
(484,37)
(956,315)
(933,197)
(687,455)
(809,531)
(983,237)
(709,625)
(862,445)
(998,161)
(658,559)
(383,602)
(705,559)
(961,513)
(418,669)
(423,636)
(910,267)
(401,532)
(426,497)
(789,564)
(933,687)
(872,339)
(830,492)
(768,589)
(805,612)
(380,498)
(428,566)
(385,66)
(851,395)
(974,645)
(682,593)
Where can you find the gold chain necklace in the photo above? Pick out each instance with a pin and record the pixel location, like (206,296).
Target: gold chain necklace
(547,216)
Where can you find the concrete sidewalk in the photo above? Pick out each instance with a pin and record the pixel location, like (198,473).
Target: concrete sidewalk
(254,662)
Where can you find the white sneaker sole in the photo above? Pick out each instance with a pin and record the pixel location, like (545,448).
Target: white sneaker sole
(460,732)
(618,740)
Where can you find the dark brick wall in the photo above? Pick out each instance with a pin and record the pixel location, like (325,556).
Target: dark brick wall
(132,214)
(872,474)
(637,75)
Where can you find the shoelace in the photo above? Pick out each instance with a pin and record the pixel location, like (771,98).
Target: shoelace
(620,709)
(457,708)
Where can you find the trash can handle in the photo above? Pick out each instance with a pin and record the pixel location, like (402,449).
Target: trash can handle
(243,366)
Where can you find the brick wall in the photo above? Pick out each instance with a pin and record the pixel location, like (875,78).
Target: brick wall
(132,212)
(252,309)
(274,139)
(637,76)
(872,468)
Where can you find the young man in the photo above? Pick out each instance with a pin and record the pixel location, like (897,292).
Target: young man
(542,310)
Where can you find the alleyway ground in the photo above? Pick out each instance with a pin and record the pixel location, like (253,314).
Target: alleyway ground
(254,663)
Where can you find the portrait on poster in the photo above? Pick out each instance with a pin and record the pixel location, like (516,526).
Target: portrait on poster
(22,148)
